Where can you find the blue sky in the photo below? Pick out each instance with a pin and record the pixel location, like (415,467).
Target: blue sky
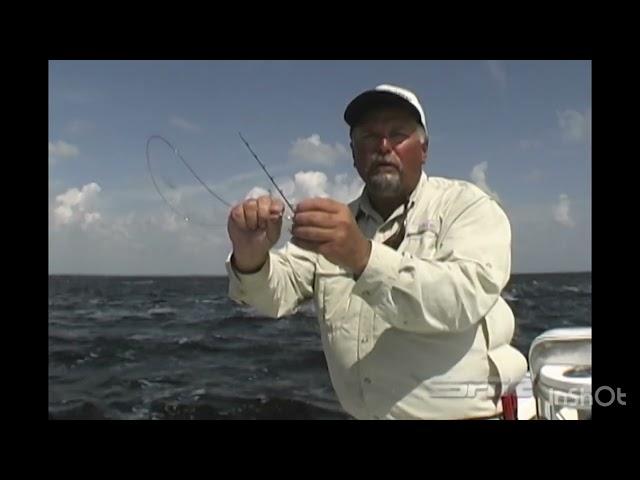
(520,129)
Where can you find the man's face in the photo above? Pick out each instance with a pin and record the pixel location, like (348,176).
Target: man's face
(388,152)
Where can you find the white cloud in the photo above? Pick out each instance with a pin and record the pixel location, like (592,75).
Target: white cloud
(310,184)
(561,211)
(184,124)
(157,242)
(62,149)
(74,207)
(575,126)
(540,246)
(150,242)
(94,231)
(167,222)
(256,192)
(102,235)
(479,177)
(311,150)
(498,72)
(346,189)
(307,184)
(194,203)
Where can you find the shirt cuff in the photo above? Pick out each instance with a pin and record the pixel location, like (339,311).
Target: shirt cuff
(241,282)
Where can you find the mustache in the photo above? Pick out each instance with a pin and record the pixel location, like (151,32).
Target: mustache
(380,160)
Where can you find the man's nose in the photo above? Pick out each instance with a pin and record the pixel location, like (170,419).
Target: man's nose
(384,144)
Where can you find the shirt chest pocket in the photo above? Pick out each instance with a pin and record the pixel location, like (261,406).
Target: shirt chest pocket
(421,244)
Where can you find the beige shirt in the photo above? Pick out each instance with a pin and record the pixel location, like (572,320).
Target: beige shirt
(423,333)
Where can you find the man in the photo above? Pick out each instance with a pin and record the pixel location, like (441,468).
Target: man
(406,279)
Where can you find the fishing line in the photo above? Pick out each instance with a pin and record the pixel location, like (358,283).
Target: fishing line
(163,157)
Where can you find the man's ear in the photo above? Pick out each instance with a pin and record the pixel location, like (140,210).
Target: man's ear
(353,155)
(425,146)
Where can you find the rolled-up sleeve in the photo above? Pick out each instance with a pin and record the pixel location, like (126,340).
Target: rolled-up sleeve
(278,288)
(450,291)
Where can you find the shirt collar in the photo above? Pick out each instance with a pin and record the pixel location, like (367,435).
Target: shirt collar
(364,207)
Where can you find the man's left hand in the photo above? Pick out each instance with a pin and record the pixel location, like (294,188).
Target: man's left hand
(327,227)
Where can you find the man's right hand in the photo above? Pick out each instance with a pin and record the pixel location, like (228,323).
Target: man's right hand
(254,227)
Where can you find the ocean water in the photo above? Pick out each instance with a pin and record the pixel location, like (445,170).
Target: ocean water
(178,348)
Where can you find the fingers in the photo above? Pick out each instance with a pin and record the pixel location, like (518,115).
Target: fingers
(314,218)
(323,204)
(251,214)
(274,227)
(264,211)
(257,213)
(277,207)
(237,216)
(313,234)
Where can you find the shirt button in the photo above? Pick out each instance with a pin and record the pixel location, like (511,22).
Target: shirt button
(367,380)
(364,339)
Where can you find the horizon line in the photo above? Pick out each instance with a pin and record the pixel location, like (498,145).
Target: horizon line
(225,275)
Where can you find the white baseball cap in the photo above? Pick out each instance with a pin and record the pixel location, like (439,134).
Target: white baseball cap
(383,95)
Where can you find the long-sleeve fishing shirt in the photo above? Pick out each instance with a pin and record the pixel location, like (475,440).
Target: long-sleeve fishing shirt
(423,332)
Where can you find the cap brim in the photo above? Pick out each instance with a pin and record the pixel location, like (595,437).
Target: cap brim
(370,99)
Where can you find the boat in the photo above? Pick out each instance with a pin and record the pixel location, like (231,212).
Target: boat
(558,384)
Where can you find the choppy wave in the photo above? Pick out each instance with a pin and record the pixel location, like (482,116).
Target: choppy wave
(260,408)
(180,349)
(161,311)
